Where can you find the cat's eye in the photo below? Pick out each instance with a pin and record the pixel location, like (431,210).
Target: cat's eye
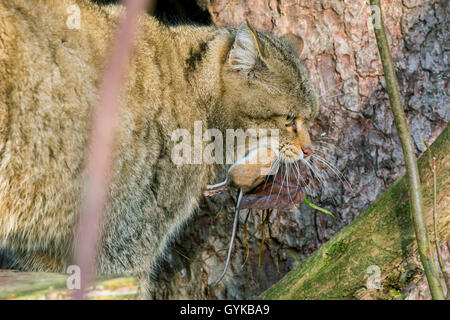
(289,119)
(290,122)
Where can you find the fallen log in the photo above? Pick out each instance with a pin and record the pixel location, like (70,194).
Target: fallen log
(17,285)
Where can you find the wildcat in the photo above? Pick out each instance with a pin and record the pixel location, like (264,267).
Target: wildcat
(225,77)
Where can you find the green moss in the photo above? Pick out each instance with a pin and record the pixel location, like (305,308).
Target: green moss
(337,250)
(395,295)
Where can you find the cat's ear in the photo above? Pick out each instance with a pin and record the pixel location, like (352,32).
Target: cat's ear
(245,52)
(295,42)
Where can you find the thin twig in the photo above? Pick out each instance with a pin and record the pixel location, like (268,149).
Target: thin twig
(99,163)
(247,250)
(261,246)
(181,254)
(435,220)
(436,232)
(420,227)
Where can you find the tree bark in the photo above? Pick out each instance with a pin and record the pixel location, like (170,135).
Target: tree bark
(382,236)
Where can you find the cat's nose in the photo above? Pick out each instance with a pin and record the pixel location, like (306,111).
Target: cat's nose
(307,152)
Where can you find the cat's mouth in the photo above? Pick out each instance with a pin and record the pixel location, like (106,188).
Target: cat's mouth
(291,154)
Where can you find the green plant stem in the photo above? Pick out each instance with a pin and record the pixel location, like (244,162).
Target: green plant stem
(423,242)
(435,220)
(436,233)
(312,205)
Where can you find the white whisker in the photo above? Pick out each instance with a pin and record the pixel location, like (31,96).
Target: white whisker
(314,172)
(288,166)
(278,169)
(333,169)
(299,176)
(282,181)
(330,89)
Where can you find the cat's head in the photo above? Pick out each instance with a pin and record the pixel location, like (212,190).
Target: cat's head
(268,87)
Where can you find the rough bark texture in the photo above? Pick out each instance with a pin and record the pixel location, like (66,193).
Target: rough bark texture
(342,55)
(376,255)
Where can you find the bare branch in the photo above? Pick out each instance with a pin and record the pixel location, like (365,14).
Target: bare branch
(423,242)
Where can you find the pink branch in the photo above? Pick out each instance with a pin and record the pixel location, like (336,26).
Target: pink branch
(101,147)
